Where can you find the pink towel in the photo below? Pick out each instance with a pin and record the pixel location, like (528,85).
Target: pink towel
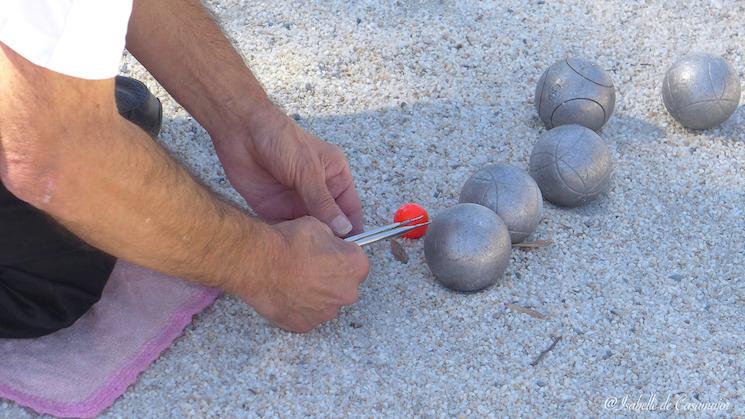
(82,370)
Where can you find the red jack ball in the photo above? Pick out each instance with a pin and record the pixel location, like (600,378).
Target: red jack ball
(409,211)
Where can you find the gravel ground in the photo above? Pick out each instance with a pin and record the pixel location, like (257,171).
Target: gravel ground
(644,286)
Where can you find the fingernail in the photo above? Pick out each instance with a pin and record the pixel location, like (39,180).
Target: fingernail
(341,225)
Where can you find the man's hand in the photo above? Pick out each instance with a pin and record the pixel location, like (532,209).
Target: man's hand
(316,274)
(284,172)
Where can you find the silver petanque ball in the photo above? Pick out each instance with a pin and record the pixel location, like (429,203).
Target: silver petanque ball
(575,91)
(511,193)
(701,91)
(467,247)
(571,164)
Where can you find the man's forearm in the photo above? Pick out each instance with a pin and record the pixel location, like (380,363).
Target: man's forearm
(132,200)
(186,51)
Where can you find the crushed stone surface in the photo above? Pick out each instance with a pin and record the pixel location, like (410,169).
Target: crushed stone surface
(645,286)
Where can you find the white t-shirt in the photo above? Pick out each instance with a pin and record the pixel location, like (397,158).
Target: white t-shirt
(79,38)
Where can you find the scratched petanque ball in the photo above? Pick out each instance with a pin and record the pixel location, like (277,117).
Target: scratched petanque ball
(575,91)
(511,193)
(571,164)
(467,247)
(701,91)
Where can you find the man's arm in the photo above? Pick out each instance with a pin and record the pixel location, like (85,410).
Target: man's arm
(184,49)
(282,171)
(65,150)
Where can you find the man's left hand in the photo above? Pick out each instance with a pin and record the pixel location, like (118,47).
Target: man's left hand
(284,172)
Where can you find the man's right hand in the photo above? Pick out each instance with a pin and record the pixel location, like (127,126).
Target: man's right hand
(314,274)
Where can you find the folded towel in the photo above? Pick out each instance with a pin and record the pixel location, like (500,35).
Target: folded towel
(82,370)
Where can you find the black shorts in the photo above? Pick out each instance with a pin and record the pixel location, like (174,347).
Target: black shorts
(49,277)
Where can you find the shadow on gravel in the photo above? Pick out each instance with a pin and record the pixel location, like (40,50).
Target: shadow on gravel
(627,130)
(734,128)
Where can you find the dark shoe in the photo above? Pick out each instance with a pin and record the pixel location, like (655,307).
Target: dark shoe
(135,103)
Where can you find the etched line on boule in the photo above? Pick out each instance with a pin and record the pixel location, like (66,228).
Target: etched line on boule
(574,99)
(576,173)
(707,101)
(713,90)
(543,86)
(587,78)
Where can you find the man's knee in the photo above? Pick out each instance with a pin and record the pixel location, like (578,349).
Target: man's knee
(33,306)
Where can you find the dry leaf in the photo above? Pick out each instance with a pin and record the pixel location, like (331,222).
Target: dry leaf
(534,244)
(528,311)
(399,252)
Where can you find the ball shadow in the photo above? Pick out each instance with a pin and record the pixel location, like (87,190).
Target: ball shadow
(624,130)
